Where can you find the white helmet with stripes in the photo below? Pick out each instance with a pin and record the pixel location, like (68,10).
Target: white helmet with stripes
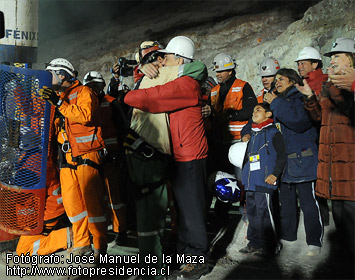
(223,62)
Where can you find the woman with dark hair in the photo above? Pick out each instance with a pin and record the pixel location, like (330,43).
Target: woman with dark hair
(302,159)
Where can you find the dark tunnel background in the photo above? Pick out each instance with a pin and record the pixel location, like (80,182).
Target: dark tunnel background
(58,17)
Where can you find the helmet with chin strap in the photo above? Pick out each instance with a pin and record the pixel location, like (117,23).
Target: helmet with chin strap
(61,66)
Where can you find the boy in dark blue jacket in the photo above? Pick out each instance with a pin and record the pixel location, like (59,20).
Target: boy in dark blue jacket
(266,160)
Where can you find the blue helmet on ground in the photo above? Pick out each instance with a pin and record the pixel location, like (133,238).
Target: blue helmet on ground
(226,188)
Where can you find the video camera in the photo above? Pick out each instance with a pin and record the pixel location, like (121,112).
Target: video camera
(125,67)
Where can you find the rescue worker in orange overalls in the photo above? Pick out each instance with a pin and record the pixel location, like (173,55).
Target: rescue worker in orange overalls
(82,151)
(56,230)
(232,103)
(112,167)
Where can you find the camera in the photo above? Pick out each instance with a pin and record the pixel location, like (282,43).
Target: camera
(125,67)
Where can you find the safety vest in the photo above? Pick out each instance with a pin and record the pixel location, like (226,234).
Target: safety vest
(83,137)
(234,100)
(109,131)
(260,95)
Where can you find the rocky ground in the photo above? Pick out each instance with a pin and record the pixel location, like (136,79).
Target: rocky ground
(291,263)
(226,261)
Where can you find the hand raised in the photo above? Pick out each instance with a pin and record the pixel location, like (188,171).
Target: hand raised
(305,89)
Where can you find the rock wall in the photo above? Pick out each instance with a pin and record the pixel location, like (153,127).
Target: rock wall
(243,29)
(272,34)
(319,28)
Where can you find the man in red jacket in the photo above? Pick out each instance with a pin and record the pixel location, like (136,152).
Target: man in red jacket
(181,98)
(309,64)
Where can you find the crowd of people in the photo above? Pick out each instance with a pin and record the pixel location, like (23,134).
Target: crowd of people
(159,146)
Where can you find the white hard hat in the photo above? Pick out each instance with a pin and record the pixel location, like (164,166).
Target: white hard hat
(236,153)
(342,45)
(268,67)
(182,46)
(223,62)
(308,53)
(58,64)
(93,76)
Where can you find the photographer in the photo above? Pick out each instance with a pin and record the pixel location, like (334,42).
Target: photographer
(123,68)
(112,88)
(117,89)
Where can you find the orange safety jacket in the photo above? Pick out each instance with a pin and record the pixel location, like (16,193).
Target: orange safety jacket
(234,100)
(109,131)
(54,204)
(79,108)
(260,95)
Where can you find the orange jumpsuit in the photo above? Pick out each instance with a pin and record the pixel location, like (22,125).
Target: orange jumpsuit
(81,182)
(41,244)
(111,171)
